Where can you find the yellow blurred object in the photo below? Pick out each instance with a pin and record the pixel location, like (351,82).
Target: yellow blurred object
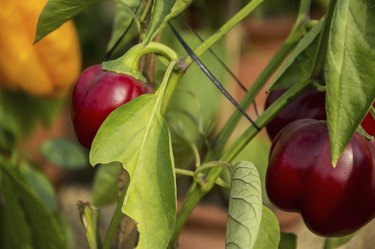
(47,68)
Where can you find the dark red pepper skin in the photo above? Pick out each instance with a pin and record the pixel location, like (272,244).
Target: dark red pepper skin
(332,201)
(368,124)
(310,104)
(96,94)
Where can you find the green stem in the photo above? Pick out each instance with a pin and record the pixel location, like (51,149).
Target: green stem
(291,41)
(264,119)
(116,219)
(130,60)
(237,18)
(133,56)
(184,172)
(145,11)
(197,192)
(193,197)
(173,78)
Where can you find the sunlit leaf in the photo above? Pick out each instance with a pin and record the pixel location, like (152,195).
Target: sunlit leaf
(136,135)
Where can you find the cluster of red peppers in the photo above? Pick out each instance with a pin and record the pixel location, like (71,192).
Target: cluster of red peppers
(300,177)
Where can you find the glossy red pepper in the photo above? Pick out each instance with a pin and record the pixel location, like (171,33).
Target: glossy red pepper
(332,201)
(96,94)
(310,104)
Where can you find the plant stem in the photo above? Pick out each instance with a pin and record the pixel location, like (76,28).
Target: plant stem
(264,119)
(184,172)
(196,192)
(193,197)
(291,41)
(240,15)
(116,219)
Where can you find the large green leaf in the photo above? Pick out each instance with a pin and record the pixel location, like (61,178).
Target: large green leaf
(350,73)
(105,188)
(299,63)
(136,135)
(57,12)
(162,12)
(269,232)
(245,206)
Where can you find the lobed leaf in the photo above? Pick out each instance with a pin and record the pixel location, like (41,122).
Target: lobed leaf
(350,70)
(136,135)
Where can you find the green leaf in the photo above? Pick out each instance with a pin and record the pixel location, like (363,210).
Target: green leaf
(288,241)
(245,206)
(64,153)
(40,186)
(121,22)
(136,135)
(105,186)
(269,232)
(14,230)
(332,243)
(57,12)
(162,12)
(350,63)
(257,151)
(44,229)
(299,63)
